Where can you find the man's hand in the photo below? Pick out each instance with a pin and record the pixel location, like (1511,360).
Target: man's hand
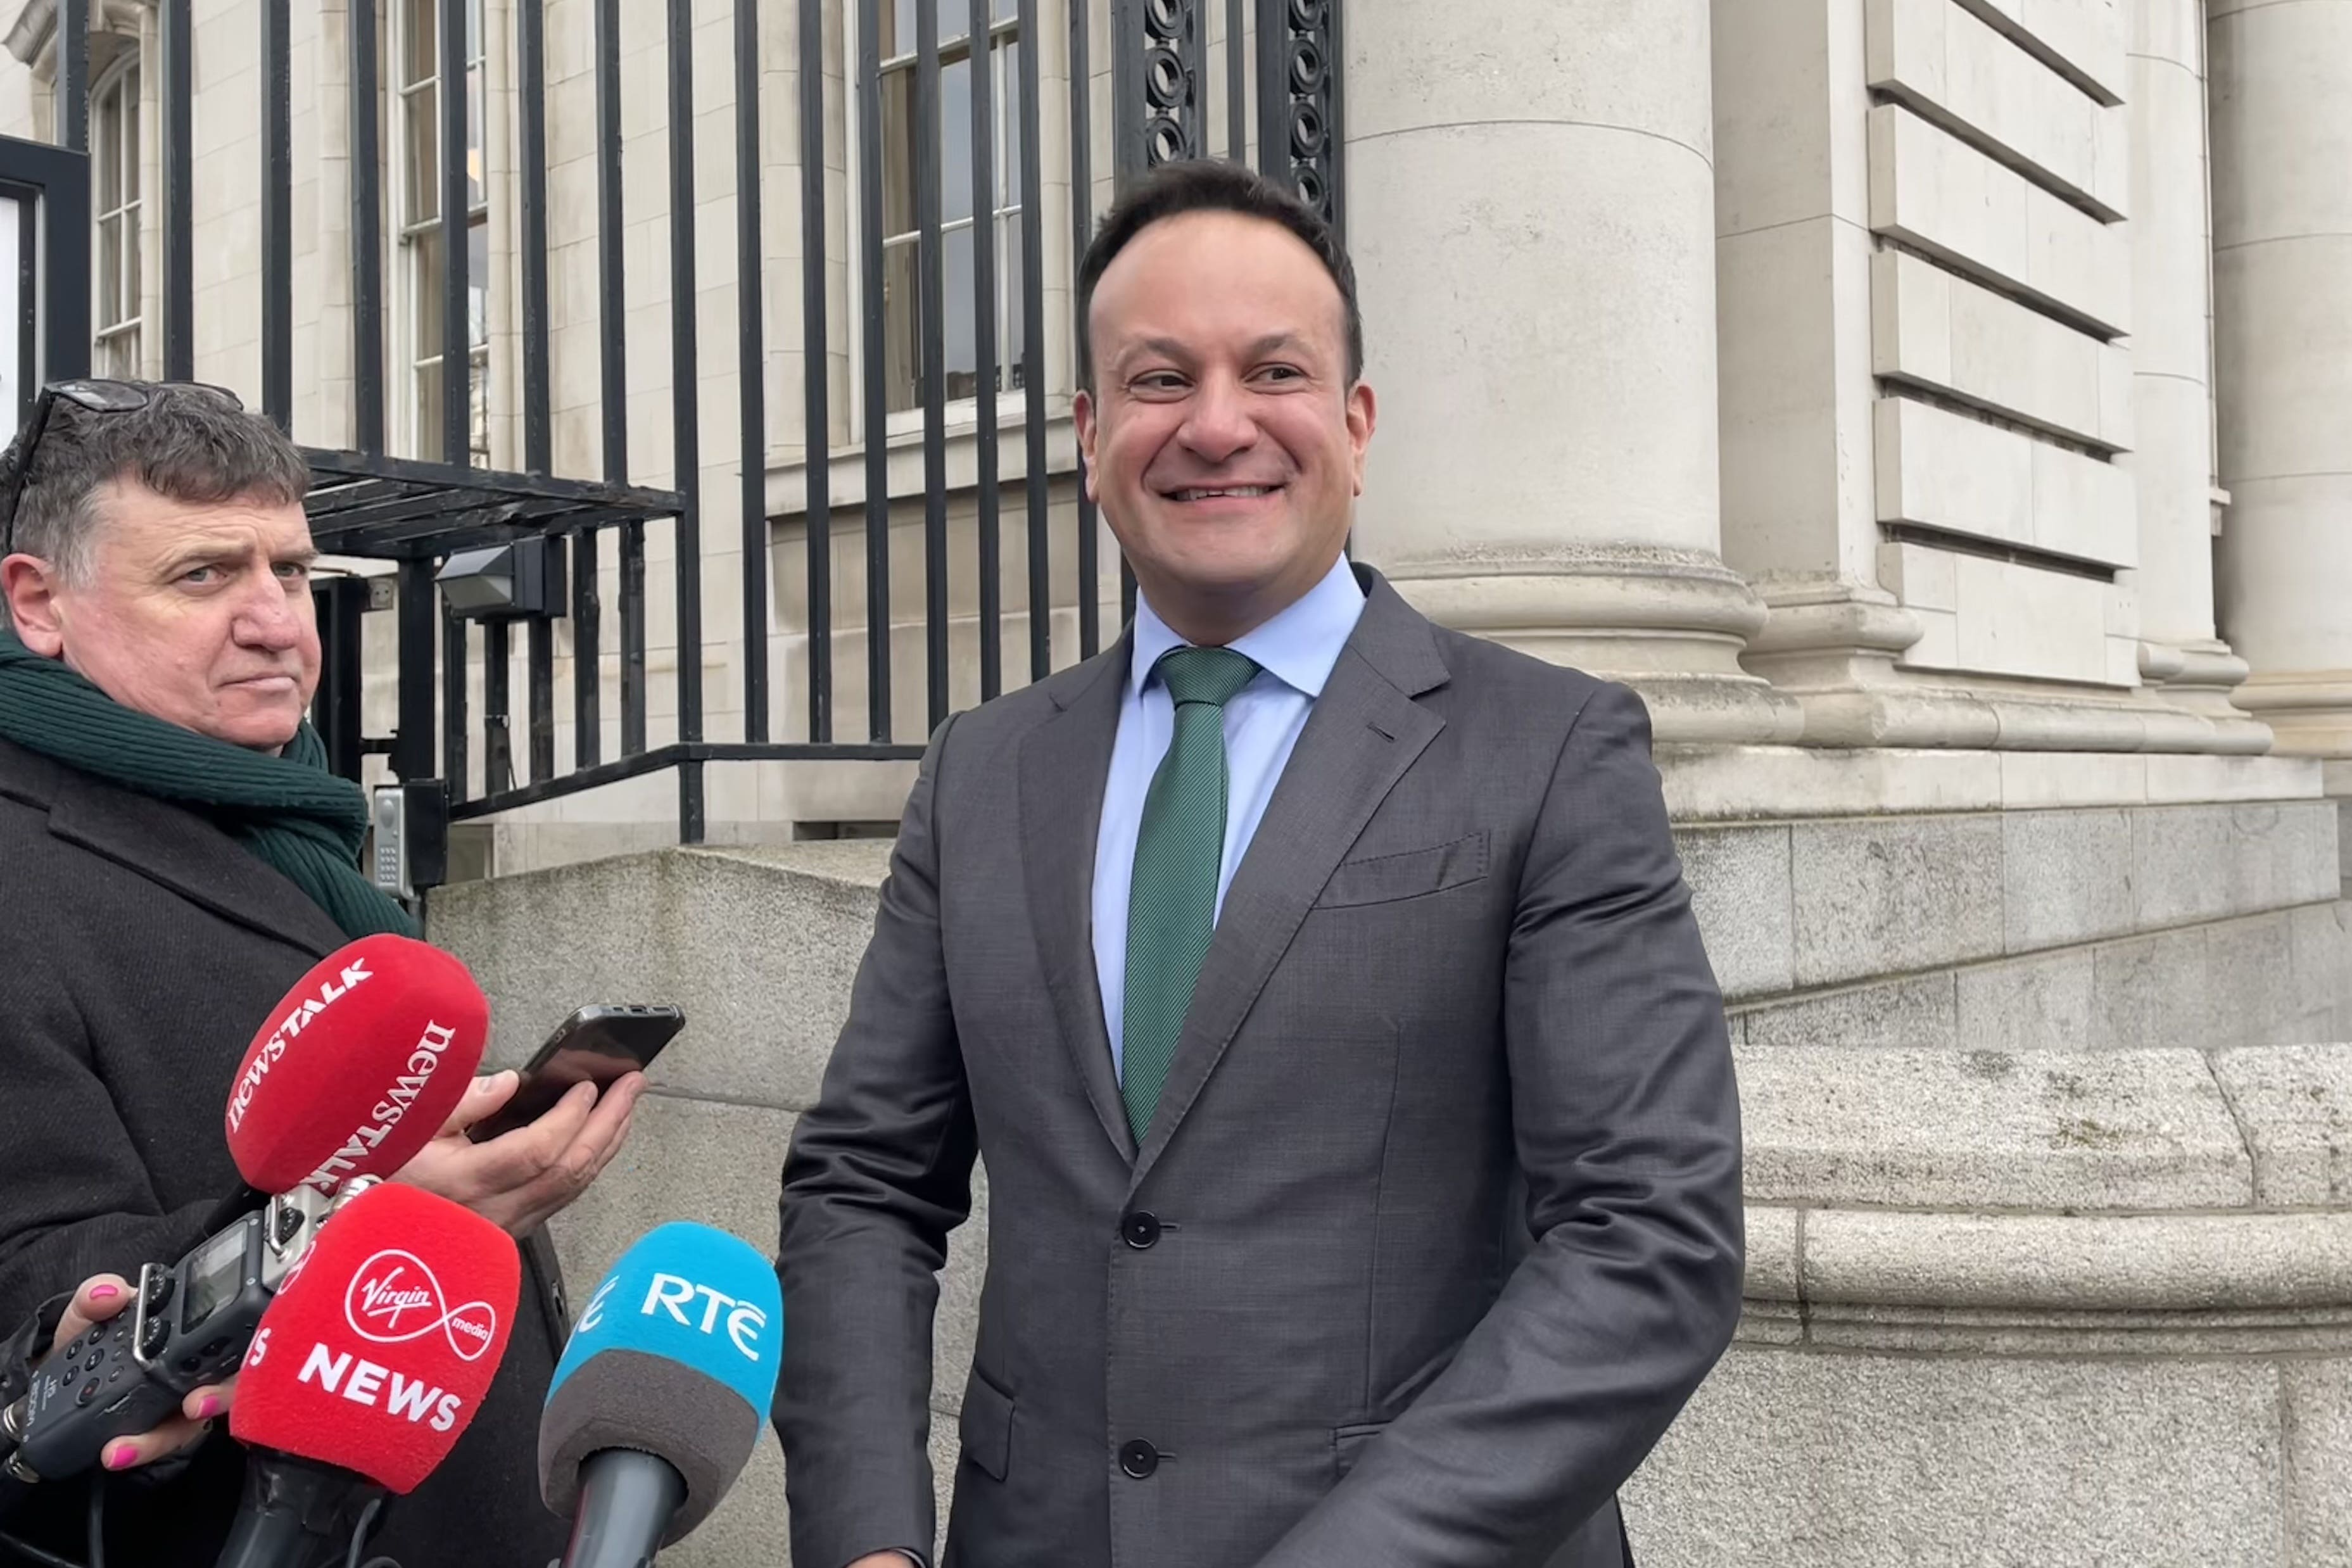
(519,1178)
(101,1298)
(882,1560)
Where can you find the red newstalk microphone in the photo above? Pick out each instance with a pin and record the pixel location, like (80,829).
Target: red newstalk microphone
(358,1068)
(366,1369)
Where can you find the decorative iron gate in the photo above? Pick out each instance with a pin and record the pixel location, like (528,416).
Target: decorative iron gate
(1280,56)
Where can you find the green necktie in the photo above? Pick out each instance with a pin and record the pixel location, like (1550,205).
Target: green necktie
(1172,900)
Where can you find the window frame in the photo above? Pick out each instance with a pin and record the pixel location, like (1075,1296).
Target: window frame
(119,86)
(412,430)
(962,415)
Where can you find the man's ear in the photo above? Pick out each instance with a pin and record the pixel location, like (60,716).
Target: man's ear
(1082,413)
(29,586)
(1363,414)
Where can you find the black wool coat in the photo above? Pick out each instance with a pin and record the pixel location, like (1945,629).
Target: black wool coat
(140,948)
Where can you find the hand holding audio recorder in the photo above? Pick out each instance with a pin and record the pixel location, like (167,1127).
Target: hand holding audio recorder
(187,1328)
(97,1302)
(345,1080)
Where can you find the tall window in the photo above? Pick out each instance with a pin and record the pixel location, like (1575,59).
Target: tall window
(114,171)
(902,241)
(424,266)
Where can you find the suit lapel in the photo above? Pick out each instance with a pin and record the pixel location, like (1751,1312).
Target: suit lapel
(1064,765)
(1365,731)
(182,852)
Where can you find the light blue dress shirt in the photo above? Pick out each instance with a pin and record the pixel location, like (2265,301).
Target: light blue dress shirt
(1295,652)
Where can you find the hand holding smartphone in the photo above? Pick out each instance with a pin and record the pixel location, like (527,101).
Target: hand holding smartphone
(595,1045)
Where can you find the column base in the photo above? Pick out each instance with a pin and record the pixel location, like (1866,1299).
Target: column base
(2309,711)
(2203,678)
(1833,648)
(1668,623)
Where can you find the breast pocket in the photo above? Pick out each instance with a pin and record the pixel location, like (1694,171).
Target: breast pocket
(1406,873)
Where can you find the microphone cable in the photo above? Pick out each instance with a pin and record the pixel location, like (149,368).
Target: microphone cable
(360,1532)
(97,1538)
(32,1553)
(96,1541)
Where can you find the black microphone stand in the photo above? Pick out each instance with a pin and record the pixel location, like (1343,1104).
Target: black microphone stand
(626,1500)
(297,1512)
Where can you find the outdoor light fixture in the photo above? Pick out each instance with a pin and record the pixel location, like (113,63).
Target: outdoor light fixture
(521,577)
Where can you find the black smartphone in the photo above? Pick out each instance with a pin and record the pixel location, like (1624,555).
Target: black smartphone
(595,1045)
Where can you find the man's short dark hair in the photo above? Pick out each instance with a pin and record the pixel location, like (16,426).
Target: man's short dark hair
(1202,185)
(187,443)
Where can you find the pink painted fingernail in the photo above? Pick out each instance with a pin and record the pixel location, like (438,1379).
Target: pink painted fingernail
(210,1408)
(121,1456)
(104,1292)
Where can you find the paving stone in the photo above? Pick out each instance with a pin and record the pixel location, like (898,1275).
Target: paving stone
(1739,888)
(1915,1012)
(2250,990)
(2028,1005)
(2065,877)
(2212,862)
(2151,992)
(2049,1130)
(2295,1103)
(2323,956)
(1889,895)
(1789,1458)
(2319,1462)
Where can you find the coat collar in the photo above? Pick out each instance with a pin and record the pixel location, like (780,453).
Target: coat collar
(170,845)
(1064,763)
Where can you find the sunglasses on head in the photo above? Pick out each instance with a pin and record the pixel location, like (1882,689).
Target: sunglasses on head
(91,396)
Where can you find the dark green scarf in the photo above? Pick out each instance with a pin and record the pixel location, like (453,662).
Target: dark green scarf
(287,810)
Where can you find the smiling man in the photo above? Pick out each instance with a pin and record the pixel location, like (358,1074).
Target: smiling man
(173,856)
(1322,991)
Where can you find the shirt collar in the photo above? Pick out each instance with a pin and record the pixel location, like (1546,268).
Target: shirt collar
(1297,647)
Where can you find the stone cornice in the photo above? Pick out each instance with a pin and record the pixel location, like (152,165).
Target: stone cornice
(30,35)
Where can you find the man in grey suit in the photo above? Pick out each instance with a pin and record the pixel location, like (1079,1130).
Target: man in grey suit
(1322,990)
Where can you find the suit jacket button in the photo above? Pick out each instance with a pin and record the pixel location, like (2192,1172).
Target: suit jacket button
(1141,1229)
(1139,1458)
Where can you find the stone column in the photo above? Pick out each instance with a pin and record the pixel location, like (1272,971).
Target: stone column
(2171,336)
(2281,92)
(1531,201)
(1797,396)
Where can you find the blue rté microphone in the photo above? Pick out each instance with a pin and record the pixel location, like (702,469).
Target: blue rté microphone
(661,1395)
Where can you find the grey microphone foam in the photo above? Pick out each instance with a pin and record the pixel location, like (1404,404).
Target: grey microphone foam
(650,1404)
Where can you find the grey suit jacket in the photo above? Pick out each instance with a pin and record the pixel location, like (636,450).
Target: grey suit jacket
(1437,1226)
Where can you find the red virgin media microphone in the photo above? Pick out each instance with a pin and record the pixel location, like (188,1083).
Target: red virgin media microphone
(358,1068)
(367,1368)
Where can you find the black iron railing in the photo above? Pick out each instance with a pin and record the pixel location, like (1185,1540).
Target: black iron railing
(416,514)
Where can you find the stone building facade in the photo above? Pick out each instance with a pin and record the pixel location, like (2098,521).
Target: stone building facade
(1966,382)
(1940,410)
